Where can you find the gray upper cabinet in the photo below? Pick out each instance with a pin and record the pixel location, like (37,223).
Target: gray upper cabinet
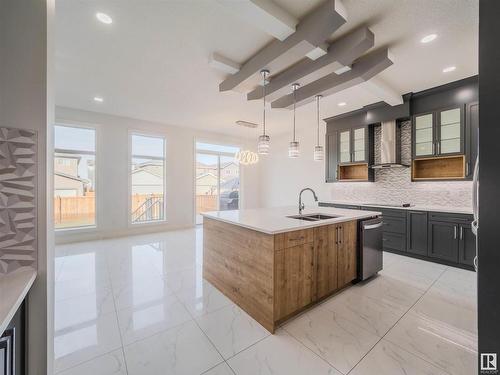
(352,145)
(423,135)
(416,232)
(331,157)
(471,137)
(439,133)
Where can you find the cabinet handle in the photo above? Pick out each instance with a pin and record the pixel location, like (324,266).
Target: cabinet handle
(336,235)
(433,148)
(455,232)
(467,169)
(438,147)
(461,233)
(296,238)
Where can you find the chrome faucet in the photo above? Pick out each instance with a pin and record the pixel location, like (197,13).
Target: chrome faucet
(301,205)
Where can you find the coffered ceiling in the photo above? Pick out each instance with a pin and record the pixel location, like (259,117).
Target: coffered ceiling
(152,62)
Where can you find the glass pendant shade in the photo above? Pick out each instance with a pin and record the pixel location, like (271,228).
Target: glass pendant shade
(246,157)
(319,153)
(263,144)
(293,149)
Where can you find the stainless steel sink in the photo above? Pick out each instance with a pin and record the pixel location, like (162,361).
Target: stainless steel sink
(314,217)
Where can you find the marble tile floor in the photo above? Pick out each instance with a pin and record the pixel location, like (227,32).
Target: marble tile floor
(139,306)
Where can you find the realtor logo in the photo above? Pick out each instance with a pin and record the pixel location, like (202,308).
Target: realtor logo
(489,363)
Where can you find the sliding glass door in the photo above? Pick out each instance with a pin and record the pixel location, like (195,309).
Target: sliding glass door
(217,179)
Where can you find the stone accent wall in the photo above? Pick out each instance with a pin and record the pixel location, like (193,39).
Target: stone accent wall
(18,169)
(394,186)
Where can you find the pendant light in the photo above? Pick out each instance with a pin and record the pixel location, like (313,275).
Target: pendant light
(246,156)
(293,148)
(264,140)
(318,150)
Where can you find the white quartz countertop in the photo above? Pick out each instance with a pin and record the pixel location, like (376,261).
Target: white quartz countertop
(275,220)
(447,209)
(14,287)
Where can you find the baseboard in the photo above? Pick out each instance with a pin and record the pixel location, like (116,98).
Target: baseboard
(62,238)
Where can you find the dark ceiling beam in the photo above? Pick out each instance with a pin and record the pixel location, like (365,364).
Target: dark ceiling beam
(341,53)
(362,70)
(311,32)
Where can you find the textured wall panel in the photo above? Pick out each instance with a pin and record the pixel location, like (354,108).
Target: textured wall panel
(394,186)
(17,199)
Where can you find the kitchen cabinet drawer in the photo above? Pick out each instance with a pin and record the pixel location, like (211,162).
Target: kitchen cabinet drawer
(386,211)
(291,239)
(394,241)
(450,217)
(337,205)
(394,225)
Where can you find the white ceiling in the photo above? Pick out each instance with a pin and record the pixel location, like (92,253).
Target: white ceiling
(151,63)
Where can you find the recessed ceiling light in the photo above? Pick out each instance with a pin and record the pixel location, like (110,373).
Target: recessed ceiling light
(104,18)
(449,69)
(98,99)
(428,38)
(341,104)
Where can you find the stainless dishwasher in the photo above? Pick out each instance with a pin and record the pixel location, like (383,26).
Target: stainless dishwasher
(370,259)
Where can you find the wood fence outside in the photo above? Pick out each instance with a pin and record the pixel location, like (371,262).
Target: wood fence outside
(80,211)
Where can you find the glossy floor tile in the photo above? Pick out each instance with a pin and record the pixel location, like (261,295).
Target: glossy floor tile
(181,350)
(231,330)
(140,305)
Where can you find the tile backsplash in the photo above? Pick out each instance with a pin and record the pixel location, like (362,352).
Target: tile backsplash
(394,186)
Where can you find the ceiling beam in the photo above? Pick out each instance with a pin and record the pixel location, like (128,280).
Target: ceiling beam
(223,64)
(265,15)
(362,70)
(383,91)
(311,32)
(341,54)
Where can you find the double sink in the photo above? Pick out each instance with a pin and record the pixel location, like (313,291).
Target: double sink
(314,217)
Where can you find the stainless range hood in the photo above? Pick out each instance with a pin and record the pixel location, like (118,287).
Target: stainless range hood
(390,146)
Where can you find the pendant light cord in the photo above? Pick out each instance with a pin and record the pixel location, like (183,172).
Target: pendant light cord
(294,102)
(264,74)
(317,106)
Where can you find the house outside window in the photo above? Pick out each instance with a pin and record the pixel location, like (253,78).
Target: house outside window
(74,177)
(147,178)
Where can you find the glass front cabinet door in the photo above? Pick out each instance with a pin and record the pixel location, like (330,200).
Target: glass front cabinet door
(344,146)
(424,135)
(450,132)
(359,152)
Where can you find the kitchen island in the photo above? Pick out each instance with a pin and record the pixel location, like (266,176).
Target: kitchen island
(272,265)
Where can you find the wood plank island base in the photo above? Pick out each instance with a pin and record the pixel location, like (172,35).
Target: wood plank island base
(274,267)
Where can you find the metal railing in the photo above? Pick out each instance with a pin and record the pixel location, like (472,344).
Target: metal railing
(150,210)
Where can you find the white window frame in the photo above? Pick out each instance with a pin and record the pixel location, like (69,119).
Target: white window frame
(165,192)
(97,189)
(216,153)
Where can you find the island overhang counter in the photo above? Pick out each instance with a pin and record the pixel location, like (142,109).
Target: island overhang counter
(274,266)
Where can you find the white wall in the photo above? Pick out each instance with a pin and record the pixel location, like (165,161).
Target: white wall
(26,101)
(113,173)
(282,178)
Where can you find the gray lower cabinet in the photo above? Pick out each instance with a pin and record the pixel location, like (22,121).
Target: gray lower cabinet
(467,245)
(12,345)
(416,232)
(443,240)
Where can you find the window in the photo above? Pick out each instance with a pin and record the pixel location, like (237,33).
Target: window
(147,178)
(74,177)
(217,178)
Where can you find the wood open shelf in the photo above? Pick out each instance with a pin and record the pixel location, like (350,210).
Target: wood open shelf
(439,168)
(353,172)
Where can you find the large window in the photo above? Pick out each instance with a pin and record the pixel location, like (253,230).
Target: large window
(147,178)
(74,177)
(217,178)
